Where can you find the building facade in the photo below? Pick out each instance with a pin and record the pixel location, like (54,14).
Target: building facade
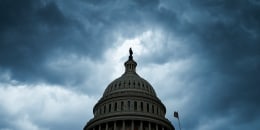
(129,103)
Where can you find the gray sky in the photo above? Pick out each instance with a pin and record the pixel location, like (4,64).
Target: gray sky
(57,57)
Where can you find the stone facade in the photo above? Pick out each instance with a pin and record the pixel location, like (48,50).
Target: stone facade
(129,103)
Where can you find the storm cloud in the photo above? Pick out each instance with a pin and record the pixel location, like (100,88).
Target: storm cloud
(57,57)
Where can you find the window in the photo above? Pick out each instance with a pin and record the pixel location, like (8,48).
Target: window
(152,109)
(104,109)
(122,106)
(128,105)
(147,106)
(135,105)
(142,107)
(109,109)
(115,108)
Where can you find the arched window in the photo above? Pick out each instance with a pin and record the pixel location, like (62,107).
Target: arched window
(128,105)
(122,106)
(135,105)
(115,107)
(109,108)
(129,83)
(142,107)
(147,106)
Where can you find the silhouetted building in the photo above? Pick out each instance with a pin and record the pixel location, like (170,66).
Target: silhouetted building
(129,103)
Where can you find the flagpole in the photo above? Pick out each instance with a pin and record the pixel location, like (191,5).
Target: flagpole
(179,123)
(176,115)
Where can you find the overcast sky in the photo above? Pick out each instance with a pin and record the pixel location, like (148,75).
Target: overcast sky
(57,57)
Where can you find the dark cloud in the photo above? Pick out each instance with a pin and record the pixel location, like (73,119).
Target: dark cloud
(32,32)
(222,35)
(227,34)
(29,30)
(35,32)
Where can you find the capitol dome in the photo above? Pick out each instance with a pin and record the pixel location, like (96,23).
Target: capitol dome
(129,103)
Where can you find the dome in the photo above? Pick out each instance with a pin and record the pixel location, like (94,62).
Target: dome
(130,81)
(129,103)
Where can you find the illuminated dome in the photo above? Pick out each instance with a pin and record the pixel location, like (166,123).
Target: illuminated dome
(129,103)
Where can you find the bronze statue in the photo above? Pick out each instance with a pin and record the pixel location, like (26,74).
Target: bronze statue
(130,52)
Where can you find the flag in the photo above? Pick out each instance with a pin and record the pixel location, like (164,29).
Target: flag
(175,114)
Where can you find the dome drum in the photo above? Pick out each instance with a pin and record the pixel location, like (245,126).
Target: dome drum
(131,104)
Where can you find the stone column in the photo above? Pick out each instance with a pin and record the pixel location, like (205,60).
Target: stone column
(141,125)
(106,126)
(99,127)
(149,125)
(123,125)
(132,125)
(156,127)
(114,125)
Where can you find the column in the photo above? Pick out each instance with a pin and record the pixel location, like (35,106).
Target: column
(99,127)
(149,126)
(114,125)
(106,126)
(123,125)
(162,128)
(132,125)
(156,127)
(141,125)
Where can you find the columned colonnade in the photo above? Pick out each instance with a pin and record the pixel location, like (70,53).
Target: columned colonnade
(129,125)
